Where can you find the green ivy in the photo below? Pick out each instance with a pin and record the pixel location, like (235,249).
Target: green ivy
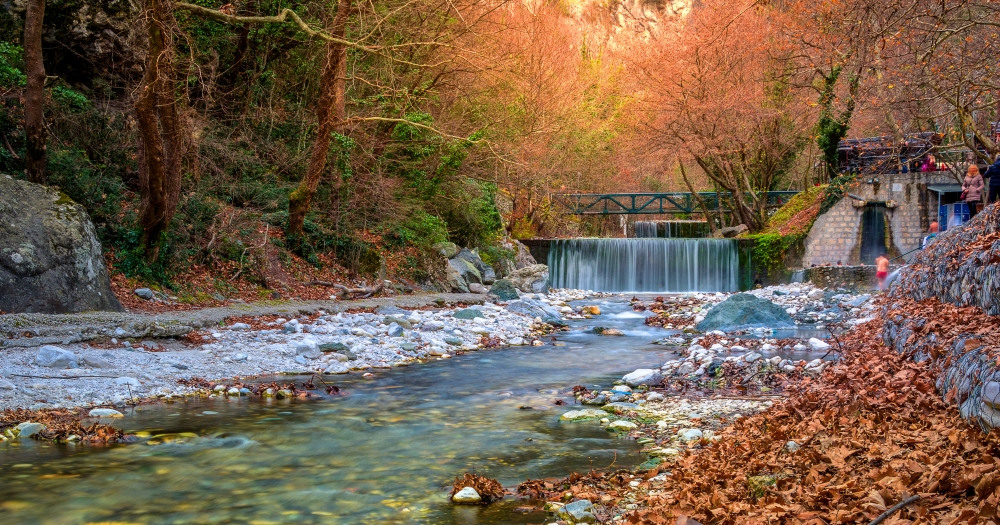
(770,250)
(836,190)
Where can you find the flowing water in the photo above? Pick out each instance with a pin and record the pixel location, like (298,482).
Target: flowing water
(671,229)
(645,265)
(392,443)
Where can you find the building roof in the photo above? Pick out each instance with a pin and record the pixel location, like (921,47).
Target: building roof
(945,188)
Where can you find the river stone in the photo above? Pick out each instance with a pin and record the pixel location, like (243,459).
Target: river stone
(432,326)
(580,415)
(105,412)
(97,362)
(477,288)
(336,368)
(467,270)
(454,341)
(395,330)
(55,357)
(580,511)
(504,290)
(28,429)
(334,347)
(643,376)
(531,279)
(448,249)
(623,425)
(393,310)
(485,271)
(144,293)
(742,311)
(533,308)
(126,381)
(817,345)
(690,434)
(306,348)
(467,496)
(468,313)
(50,258)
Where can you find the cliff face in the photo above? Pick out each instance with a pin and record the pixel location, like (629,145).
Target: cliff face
(646,18)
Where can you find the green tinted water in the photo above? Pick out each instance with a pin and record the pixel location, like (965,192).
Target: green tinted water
(385,453)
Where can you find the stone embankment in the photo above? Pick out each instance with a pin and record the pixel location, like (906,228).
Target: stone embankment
(960,268)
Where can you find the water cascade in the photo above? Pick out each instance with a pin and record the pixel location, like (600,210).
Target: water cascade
(645,265)
(872,232)
(670,229)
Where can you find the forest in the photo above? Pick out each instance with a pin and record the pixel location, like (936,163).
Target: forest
(254,144)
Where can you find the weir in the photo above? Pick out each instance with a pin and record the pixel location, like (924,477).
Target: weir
(645,265)
(670,229)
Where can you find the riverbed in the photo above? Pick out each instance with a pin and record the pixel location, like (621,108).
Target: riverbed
(385,452)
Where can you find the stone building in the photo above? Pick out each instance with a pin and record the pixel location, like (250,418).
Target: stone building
(897,209)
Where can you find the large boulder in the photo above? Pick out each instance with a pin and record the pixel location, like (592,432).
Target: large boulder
(522,257)
(467,270)
(531,279)
(532,309)
(50,258)
(743,311)
(485,270)
(504,290)
(448,249)
(453,281)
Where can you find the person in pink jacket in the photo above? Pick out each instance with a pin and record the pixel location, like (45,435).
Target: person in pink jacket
(972,189)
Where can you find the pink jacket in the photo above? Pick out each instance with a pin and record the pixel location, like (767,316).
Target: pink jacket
(973,186)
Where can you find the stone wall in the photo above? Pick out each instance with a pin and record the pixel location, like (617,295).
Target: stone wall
(855,278)
(836,235)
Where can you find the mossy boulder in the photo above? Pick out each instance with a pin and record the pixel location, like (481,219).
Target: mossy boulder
(50,258)
(743,311)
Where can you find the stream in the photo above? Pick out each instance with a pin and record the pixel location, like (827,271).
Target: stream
(385,452)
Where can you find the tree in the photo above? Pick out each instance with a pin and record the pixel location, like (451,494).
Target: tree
(161,133)
(330,116)
(34,96)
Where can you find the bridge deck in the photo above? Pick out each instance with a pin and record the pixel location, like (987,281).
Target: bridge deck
(653,203)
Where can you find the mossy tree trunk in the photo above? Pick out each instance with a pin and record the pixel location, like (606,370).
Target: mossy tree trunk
(330,114)
(34,95)
(160,131)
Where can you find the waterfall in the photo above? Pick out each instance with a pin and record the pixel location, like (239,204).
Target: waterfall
(645,229)
(645,265)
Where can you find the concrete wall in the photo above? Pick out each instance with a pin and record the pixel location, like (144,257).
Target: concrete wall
(836,235)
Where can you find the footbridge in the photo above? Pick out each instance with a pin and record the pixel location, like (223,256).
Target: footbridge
(654,203)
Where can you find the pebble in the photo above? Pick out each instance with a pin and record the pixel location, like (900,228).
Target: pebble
(468,496)
(105,412)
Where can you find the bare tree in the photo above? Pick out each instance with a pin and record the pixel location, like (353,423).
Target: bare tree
(34,96)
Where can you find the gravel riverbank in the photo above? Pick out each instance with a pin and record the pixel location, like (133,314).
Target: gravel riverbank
(221,344)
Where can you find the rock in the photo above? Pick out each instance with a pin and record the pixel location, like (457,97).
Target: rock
(50,258)
(858,301)
(815,295)
(127,381)
(531,279)
(591,310)
(580,511)
(600,330)
(336,368)
(731,232)
(454,341)
(468,313)
(105,412)
(467,496)
(532,309)
(342,358)
(792,446)
(581,415)
(306,348)
(686,368)
(334,347)
(623,425)
(468,271)
(28,429)
(523,258)
(393,311)
(643,376)
(818,346)
(624,389)
(239,327)
(690,434)
(395,330)
(597,400)
(752,357)
(239,358)
(517,341)
(55,357)
(477,288)
(454,281)
(655,396)
(144,293)
(448,249)
(485,271)
(432,326)
(617,406)
(742,311)
(6,385)
(800,347)
(504,290)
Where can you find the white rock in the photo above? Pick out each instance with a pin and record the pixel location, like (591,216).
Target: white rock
(751,357)
(54,357)
(622,425)
(643,376)
(307,348)
(800,347)
(468,495)
(818,345)
(130,381)
(105,412)
(517,341)
(239,327)
(690,434)
(654,396)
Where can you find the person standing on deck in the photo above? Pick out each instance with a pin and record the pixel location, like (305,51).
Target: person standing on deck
(881,270)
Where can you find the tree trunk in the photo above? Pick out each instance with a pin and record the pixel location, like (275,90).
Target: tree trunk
(34,95)
(160,138)
(330,114)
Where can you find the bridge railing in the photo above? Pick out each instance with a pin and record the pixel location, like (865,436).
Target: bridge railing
(653,203)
